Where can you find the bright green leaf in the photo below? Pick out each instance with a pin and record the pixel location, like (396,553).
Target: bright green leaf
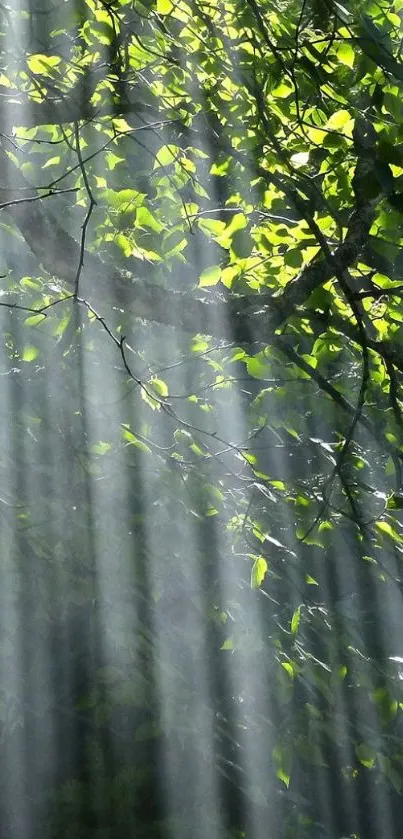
(385,528)
(53,161)
(166,155)
(257,368)
(30,353)
(345,54)
(43,64)
(33,320)
(164,7)
(159,387)
(259,571)
(282,91)
(228,644)
(132,440)
(295,620)
(210,276)
(366,755)
(101,448)
(338,120)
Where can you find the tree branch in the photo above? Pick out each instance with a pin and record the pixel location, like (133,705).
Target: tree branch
(252,316)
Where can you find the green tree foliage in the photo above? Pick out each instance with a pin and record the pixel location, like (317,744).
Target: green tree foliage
(202,431)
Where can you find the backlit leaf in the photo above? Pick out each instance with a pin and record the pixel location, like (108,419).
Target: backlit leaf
(345,54)
(43,64)
(30,353)
(259,571)
(295,620)
(210,276)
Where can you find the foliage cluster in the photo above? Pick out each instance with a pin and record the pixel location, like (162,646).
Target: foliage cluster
(202,431)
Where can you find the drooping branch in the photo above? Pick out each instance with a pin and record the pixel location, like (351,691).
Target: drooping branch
(249,315)
(252,318)
(17,109)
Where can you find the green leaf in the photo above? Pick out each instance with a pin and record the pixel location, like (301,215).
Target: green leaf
(211,227)
(386,705)
(159,387)
(293,258)
(228,644)
(282,755)
(145,218)
(33,320)
(295,620)
(147,397)
(395,502)
(238,222)
(210,276)
(282,91)
(166,155)
(124,244)
(387,530)
(30,353)
(103,31)
(242,244)
(62,325)
(366,755)
(112,160)
(338,120)
(101,448)
(394,775)
(31,283)
(53,161)
(257,368)
(259,571)
(43,64)
(278,485)
(123,199)
(229,274)
(164,7)
(345,54)
(132,440)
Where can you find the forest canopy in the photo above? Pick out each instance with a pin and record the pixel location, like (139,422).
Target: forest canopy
(201,330)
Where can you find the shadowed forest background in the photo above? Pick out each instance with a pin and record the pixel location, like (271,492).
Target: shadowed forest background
(201,468)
